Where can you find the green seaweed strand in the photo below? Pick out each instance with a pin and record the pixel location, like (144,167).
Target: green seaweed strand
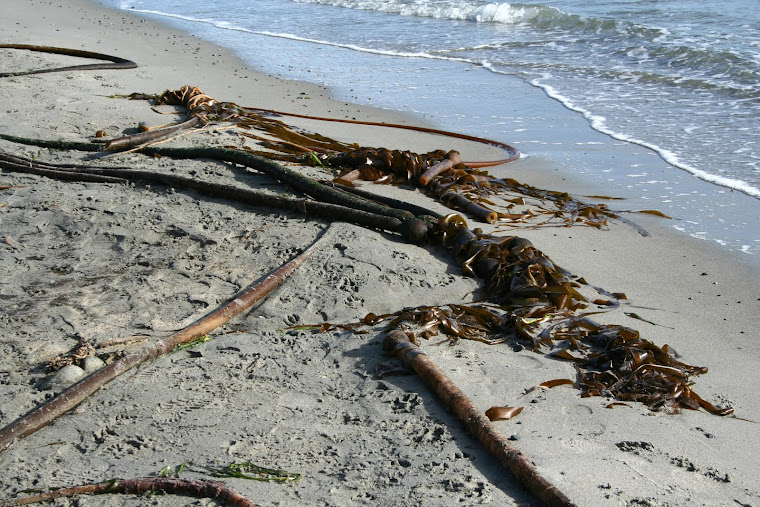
(242,471)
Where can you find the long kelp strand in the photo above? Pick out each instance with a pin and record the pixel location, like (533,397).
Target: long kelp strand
(511,458)
(74,395)
(306,207)
(141,486)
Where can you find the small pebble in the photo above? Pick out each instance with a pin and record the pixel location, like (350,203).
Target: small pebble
(66,376)
(91,364)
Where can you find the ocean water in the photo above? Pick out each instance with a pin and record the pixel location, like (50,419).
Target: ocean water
(672,88)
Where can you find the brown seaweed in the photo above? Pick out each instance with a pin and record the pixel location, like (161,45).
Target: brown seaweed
(531,298)
(462,186)
(612,361)
(541,303)
(502,413)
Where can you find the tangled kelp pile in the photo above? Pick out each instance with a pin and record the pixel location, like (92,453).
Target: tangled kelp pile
(460,185)
(282,142)
(535,301)
(612,361)
(463,186)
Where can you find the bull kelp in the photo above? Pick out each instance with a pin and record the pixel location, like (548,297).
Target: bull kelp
(532,300)
(527,296)
(460,185)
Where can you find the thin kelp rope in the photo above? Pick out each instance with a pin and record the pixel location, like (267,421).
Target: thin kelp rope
(116,62)
(200,105)
(514,152)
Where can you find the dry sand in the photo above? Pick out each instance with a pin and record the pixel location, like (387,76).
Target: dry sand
(101,261)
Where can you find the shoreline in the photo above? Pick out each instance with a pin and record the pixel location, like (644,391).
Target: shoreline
(94,261)
(538,125)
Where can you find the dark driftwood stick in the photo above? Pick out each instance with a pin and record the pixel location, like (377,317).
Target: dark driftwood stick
(52,144)
(200,489)
(74,395)
(397,343)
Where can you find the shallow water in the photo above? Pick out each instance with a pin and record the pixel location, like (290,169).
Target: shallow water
(673,87)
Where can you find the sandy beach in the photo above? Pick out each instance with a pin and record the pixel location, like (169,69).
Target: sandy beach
(105,261)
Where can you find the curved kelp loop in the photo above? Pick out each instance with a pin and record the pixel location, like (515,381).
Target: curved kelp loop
(116,62)
(511,152)
(200,104)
